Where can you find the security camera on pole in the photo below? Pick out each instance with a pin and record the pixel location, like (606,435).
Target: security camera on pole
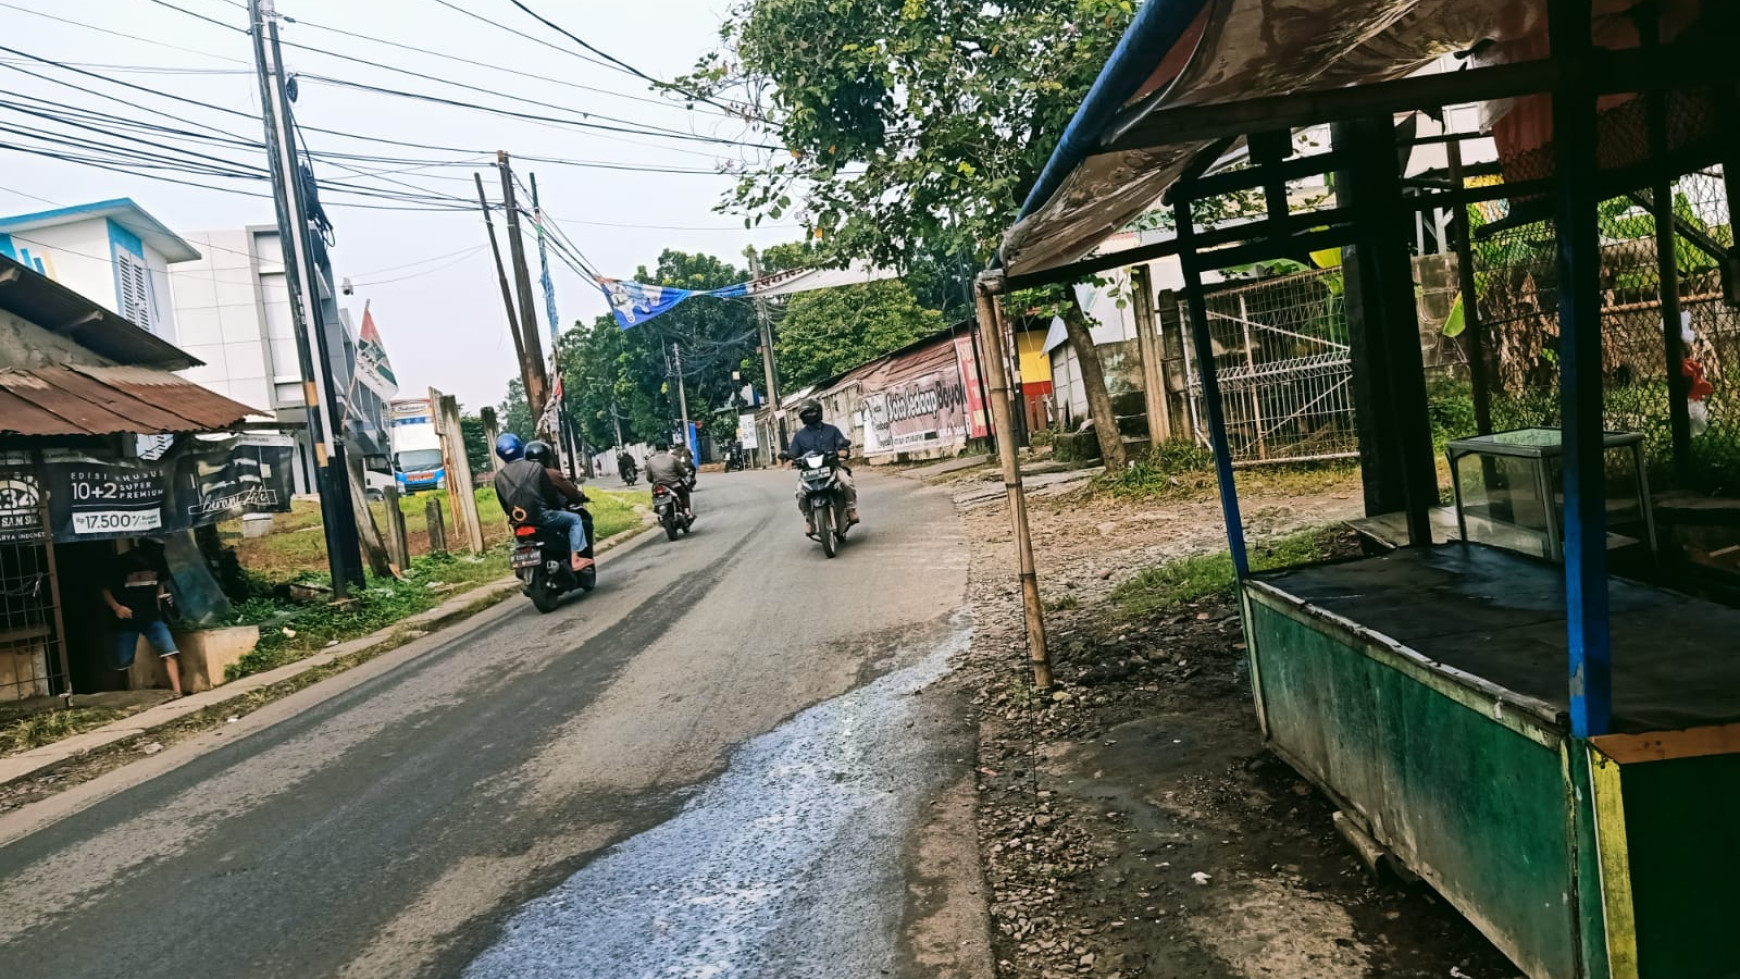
(344,556)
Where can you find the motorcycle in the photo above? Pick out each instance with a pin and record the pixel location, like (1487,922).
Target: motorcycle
(819,482)
(629,475)
(735,462)
(669,510)
(541,560)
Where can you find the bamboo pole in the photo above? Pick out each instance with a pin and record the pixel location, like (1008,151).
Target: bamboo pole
(991,322)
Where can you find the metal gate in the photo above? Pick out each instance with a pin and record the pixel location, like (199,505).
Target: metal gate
(1282,358)
(32,640)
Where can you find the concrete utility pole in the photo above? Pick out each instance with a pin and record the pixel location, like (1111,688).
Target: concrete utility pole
(768,365)
(682,392)
(537,385)
(343,555)
(990,287)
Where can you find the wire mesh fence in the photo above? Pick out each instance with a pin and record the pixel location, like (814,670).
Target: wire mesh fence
(1516,282)
(1282,358)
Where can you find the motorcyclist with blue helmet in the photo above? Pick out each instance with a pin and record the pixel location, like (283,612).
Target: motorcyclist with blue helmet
(532,491)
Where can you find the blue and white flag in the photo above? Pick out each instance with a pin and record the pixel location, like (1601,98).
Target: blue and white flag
(636,302)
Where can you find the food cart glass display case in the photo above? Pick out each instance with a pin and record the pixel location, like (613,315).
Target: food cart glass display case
(1510,490)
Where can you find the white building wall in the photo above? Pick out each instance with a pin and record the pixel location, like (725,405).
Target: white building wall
(218,319)
(77,256)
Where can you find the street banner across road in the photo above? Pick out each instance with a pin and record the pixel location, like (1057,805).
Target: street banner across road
(636,302)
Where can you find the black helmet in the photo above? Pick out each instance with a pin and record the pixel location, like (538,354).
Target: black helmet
(810,411)
(541,452)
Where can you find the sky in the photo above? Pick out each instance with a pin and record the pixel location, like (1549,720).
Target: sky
(429,277)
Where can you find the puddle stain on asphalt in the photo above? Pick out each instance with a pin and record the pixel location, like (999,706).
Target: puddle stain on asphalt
(787,864)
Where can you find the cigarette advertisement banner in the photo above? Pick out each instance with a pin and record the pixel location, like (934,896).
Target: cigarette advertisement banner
(929,409)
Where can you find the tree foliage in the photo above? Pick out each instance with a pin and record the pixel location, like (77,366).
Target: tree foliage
(825,333)
(915,128)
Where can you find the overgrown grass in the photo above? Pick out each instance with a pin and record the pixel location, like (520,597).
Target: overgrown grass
(1166,587)
(1181,469)
(35,730)
(1170,469)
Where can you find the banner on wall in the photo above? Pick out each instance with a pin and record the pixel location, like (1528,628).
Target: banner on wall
(978,425)
(925,410)
(200,482)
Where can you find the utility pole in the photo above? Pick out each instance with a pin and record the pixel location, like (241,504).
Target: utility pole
(569,431)
(343,554)
(507,295)
(682,391)
(537,385)
(768,366)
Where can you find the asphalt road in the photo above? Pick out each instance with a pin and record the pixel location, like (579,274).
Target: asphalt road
(729,760)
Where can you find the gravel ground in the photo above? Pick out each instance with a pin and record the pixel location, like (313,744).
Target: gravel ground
(1131,824)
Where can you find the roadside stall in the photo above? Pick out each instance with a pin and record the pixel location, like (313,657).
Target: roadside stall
(100,443)
(1555,749)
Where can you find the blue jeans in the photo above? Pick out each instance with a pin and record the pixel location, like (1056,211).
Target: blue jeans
(569,521)
(127,641)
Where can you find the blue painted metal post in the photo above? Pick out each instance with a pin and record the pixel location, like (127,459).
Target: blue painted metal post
(1223,468)
(1575,138)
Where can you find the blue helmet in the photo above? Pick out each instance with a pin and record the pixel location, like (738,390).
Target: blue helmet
(509,447)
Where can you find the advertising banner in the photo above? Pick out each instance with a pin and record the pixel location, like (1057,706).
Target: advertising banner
(20,506)
(200,482)
(978,423)
(929,409)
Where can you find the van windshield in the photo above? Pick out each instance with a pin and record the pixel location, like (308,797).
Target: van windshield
(417,460)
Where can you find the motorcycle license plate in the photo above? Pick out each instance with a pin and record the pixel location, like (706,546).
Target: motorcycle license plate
(527,557)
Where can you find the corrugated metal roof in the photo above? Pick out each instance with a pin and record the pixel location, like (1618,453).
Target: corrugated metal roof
(69,401)
(38,299)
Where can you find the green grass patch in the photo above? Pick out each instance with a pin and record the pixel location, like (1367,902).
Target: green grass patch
(35,730)
(1166,587)
(1170,469)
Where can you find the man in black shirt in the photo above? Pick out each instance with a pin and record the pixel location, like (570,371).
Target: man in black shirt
(136,592)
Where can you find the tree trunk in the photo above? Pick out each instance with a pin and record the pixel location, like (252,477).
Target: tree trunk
(1093,380)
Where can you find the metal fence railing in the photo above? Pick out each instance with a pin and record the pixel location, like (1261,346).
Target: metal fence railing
(1516,280)
(1282,358)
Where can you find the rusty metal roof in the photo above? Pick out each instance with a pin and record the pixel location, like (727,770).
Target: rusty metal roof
(38,299)
(81,400)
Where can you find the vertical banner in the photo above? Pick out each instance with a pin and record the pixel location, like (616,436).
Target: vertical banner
(978,426)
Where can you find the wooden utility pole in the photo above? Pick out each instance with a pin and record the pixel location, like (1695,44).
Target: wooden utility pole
(398,542)
(491,432)
(436,526)
(1148,343)
(990,286)
(507,295)
(537,385)
(460,494)
(374,547)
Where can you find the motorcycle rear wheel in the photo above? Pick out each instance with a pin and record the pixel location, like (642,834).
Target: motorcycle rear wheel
(538,590)
(670,524)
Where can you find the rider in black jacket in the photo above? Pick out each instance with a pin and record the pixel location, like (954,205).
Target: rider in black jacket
(819,436)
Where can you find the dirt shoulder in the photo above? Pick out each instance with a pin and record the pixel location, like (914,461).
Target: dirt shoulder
(1132,824)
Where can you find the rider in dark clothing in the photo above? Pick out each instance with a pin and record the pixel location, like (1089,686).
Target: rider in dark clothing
(624,464)
(532,491)
(819,436)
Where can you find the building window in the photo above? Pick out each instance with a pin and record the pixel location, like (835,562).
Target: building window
(135,296)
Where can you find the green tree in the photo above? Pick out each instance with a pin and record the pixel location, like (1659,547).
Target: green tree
(915,129)
(477,447)
(515,413)
(827,332)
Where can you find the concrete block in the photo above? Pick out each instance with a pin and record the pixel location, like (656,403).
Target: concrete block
(204,655)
